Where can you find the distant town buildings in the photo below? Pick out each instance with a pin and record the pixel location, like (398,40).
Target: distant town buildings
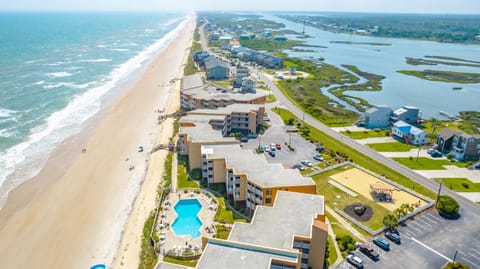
(462,146)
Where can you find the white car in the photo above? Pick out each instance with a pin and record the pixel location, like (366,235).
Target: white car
(307,163)
(355,261)
(266,148)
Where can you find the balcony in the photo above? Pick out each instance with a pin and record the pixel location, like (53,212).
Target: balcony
(258,201)
(258,192)
(237,180)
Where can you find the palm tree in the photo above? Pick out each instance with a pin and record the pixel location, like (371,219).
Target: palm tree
(391,221)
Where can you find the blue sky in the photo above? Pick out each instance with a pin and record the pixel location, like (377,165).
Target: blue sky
(401,6)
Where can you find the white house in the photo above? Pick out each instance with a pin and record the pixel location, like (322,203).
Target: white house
(410,134)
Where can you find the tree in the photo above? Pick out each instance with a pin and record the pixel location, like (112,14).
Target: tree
(448,206)
(403,210)
(391,221)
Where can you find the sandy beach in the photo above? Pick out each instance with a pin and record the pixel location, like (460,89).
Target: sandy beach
(72,214)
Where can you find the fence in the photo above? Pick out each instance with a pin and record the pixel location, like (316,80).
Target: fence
(165,192)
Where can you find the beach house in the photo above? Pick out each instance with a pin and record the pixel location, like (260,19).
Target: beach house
(215,69)
(375,117)
(408,114)
(463,146)
(409,133)
(249,179)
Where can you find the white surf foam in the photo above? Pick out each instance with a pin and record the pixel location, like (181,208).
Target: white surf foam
(5,113)
(59,74)
(119,49)
(102,60)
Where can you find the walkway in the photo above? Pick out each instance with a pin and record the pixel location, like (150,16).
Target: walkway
(335,245)
(452,171)
(350,128)
(411,153)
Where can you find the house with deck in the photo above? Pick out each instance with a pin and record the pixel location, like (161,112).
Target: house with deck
(409,133)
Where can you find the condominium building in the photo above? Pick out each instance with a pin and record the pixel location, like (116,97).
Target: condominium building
(291,234)
(249,178)
(212,126)
(195,94)
(236,117)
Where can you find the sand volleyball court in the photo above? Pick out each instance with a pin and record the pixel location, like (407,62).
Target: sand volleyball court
(361,182)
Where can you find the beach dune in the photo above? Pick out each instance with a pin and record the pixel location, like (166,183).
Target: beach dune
(72,214)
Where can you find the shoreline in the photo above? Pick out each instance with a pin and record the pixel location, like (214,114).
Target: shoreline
(51,220)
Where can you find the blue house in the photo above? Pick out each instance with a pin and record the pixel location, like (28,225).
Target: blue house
(408,133)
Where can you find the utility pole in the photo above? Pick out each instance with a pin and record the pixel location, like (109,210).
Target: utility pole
(438,194)
(455,256)
(418,153)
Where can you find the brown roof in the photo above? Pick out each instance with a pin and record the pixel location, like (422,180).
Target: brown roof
(446,133)
(382,187)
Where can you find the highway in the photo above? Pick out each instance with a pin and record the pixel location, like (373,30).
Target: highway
(428,183)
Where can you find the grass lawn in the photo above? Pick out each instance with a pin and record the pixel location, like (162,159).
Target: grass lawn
(222,231)
(223,83)
(333,255)
(183,180)
(460,184)
(427,164)
(271,99)
(338,228)
(225,215)
(191,263)
(391,147)
(336,198)
(366,134)
(357,157)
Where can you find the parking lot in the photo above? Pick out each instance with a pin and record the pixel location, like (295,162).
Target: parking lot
(429,241)
(304,150)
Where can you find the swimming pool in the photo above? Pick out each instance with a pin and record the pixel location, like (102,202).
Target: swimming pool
(187,222)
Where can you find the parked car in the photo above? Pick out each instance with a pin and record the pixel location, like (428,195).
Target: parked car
(278,145)
(320,149)
(436,154)
(318,157)
(394,237)
(261,149)
(431,150)
(299,167)
(266,119)
(244,139)
(382,243)
(266,148)
(307,163)
(355,261)
(368,251)
(272,152)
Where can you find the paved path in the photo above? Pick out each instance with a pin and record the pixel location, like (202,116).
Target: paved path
(203,40)
(174,173)
(472,196)
(411,153)
(335,245)
(428,183)
(452,171)
(350,128)
(376,140)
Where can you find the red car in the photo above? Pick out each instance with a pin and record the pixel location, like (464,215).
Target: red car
(278,146)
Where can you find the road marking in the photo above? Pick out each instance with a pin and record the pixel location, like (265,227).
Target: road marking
(408,229)
(433,216)
(471,263)
(419,219)
(405,232)
(425,217)
(475,250)
(431,249)
(475,257)
(410,226)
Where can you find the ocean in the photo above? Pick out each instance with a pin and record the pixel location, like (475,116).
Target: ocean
(55,68)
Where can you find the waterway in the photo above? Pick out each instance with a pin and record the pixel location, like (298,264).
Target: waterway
(398,89)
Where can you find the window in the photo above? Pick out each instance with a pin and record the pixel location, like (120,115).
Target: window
(268,192)
(268,200)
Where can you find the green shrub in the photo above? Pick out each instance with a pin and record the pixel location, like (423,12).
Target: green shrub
(448,205)
(346,243)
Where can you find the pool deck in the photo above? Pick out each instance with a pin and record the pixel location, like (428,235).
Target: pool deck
(172,241)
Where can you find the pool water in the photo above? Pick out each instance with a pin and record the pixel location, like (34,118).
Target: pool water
(187,222)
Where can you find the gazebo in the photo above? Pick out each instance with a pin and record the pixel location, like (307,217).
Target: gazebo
(381,191)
